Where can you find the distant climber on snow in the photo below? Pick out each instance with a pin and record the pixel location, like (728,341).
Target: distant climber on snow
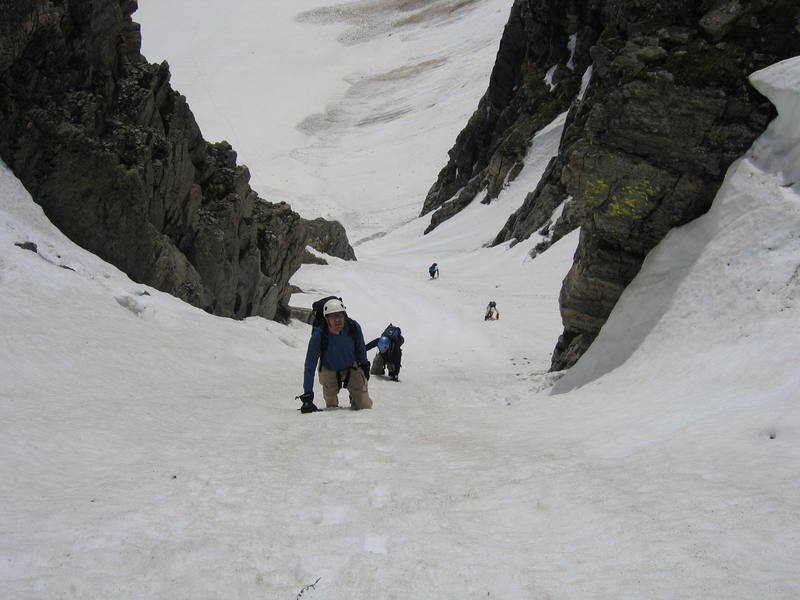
(337,344)
(389,353)
(433,271)
(492,314)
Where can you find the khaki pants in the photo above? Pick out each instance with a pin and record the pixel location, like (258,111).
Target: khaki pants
(378,366)
(356,386)
(383,362)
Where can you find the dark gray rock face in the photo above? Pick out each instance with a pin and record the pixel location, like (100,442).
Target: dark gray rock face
(115,158)
(666,112)
(518,102)
(329,237)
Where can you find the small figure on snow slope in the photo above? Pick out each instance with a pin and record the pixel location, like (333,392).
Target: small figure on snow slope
(389,353)
(433,271)
(492,314)
(337,344)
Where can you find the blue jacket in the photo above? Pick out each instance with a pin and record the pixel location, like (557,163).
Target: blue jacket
(340,352)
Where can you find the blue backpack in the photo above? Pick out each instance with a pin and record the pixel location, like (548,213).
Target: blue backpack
(393,333)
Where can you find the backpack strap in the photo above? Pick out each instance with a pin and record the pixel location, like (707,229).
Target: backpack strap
(351,331)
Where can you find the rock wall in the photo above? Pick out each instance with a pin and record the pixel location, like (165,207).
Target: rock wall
(329,237)
(519,101)
(666,111)
(115,158)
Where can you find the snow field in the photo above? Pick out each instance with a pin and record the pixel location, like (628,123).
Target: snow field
(153,451)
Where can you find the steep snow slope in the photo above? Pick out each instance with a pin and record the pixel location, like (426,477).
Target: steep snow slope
(346,113)
(151,450)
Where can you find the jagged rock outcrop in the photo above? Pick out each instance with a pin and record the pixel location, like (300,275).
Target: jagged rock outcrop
(115,158)
(329,237)
(539,49)
(667,110)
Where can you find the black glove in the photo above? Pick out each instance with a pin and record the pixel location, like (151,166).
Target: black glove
(308,405)
(365,367)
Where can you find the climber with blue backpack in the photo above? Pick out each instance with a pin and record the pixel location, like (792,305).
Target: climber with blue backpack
(337,344)
(491,314)
(389,353)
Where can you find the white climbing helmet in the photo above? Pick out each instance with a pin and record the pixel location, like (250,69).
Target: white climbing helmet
(333,305)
